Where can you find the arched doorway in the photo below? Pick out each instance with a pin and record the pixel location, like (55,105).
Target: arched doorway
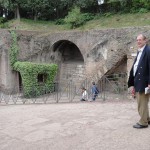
(69,51)
(71,62)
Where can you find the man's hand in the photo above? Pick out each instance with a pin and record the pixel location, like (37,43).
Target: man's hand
(149,85)
(133,92)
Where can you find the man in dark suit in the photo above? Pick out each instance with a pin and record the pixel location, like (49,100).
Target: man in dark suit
(139,79)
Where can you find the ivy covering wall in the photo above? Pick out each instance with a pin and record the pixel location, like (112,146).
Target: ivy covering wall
(14,49)
(29,72)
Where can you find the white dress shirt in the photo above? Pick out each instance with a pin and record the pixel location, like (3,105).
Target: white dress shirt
(138,59)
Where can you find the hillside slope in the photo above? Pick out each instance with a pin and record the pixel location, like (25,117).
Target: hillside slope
(100,22)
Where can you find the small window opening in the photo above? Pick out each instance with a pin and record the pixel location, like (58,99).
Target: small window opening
(41,78)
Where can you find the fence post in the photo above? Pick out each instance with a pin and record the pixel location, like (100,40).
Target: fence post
(57,92)
(104,88)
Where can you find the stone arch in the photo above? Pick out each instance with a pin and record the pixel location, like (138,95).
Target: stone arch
(68,51)
(70,60)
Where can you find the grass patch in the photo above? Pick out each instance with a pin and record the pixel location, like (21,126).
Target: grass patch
(27,24)
(118,21)
(100,22)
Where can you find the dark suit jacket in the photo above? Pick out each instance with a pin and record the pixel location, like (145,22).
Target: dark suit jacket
(142,76)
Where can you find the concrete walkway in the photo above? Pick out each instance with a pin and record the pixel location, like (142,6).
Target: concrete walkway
(72,126)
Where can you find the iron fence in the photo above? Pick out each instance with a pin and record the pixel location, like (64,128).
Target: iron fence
(112,86)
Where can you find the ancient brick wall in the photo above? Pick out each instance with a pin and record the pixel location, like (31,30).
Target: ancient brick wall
(101,49)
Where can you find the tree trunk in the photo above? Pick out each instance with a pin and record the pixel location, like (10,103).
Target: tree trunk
(17,12)
(35,15)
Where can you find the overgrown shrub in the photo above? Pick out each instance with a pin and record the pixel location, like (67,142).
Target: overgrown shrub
(75,18)
(88,16)
(60,22)
(3,23)
(143,10)
(3,20)
(14,49)
(29,73)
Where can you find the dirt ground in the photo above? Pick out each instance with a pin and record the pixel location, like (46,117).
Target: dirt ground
(102,125)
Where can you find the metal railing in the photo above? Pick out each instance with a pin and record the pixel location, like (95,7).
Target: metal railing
(112,86)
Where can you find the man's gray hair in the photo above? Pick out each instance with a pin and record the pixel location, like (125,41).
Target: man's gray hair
(144,37)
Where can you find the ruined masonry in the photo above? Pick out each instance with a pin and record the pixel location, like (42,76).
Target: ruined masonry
(79,54)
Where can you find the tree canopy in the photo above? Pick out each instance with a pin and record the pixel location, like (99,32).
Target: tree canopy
(52,10)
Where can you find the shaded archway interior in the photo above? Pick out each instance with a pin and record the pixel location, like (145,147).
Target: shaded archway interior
(71,62)
(69,51)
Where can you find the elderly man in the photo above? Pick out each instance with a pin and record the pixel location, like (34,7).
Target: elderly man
(139,79)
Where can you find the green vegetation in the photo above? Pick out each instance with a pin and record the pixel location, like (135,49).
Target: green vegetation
(68,13)
(118,21)
(75,18)
(98,22)
(30,71)
(28,24)
(3,23)
(14,49)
